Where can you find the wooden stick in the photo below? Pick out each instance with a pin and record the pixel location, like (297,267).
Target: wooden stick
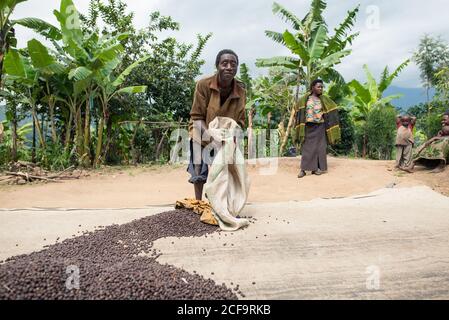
(59,174)
(28,177)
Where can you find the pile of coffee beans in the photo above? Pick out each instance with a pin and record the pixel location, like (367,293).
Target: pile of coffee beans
(117,262)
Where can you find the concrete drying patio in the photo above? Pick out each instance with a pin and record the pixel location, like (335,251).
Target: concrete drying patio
(23,231)
(330,249)
(390,244)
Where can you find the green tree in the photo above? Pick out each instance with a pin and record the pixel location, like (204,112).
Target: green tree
(171,69)
(272,95)
(273,99)
(7,33)
(381,130)
(95,63)
(169,74)
(428,124)
(366,97)
(337,92)
(246,78)
(431,56)
(86,64)
(442,84)
(19,69)
(73,89)
(316,52)
(7,142)
(108,87)
(47,68)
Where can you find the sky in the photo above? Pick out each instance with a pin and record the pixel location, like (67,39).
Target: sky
(390,30)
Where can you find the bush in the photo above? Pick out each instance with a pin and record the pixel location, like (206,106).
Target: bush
(55,157)
(347,135)
(433,124)
(6,144)
(359,132)
(427,123)
(381,132)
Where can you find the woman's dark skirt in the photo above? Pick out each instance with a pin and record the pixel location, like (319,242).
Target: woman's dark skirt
(314,149)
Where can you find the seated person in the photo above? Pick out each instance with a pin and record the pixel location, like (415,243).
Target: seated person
(434,153)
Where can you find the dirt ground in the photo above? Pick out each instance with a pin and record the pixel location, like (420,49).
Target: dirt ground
(386,239)
(130,187)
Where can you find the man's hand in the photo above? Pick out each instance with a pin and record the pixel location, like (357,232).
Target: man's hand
(215,143)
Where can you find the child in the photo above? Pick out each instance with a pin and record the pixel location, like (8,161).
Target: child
(404,141)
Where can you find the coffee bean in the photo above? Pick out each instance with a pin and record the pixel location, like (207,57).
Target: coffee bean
(110,266)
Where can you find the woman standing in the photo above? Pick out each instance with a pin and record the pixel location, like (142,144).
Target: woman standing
(317,125)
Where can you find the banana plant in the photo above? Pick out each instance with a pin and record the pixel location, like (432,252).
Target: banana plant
(97,75)
(90,60)
(47,68)
(108,88)
(367,96)
(7,32)
(14,139)
(315,51)
(364,97)
(19,69)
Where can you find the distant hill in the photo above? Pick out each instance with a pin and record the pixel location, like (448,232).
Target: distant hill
(412,96)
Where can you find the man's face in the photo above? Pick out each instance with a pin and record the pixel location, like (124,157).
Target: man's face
(227,68)
(445,121)
(318,89)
